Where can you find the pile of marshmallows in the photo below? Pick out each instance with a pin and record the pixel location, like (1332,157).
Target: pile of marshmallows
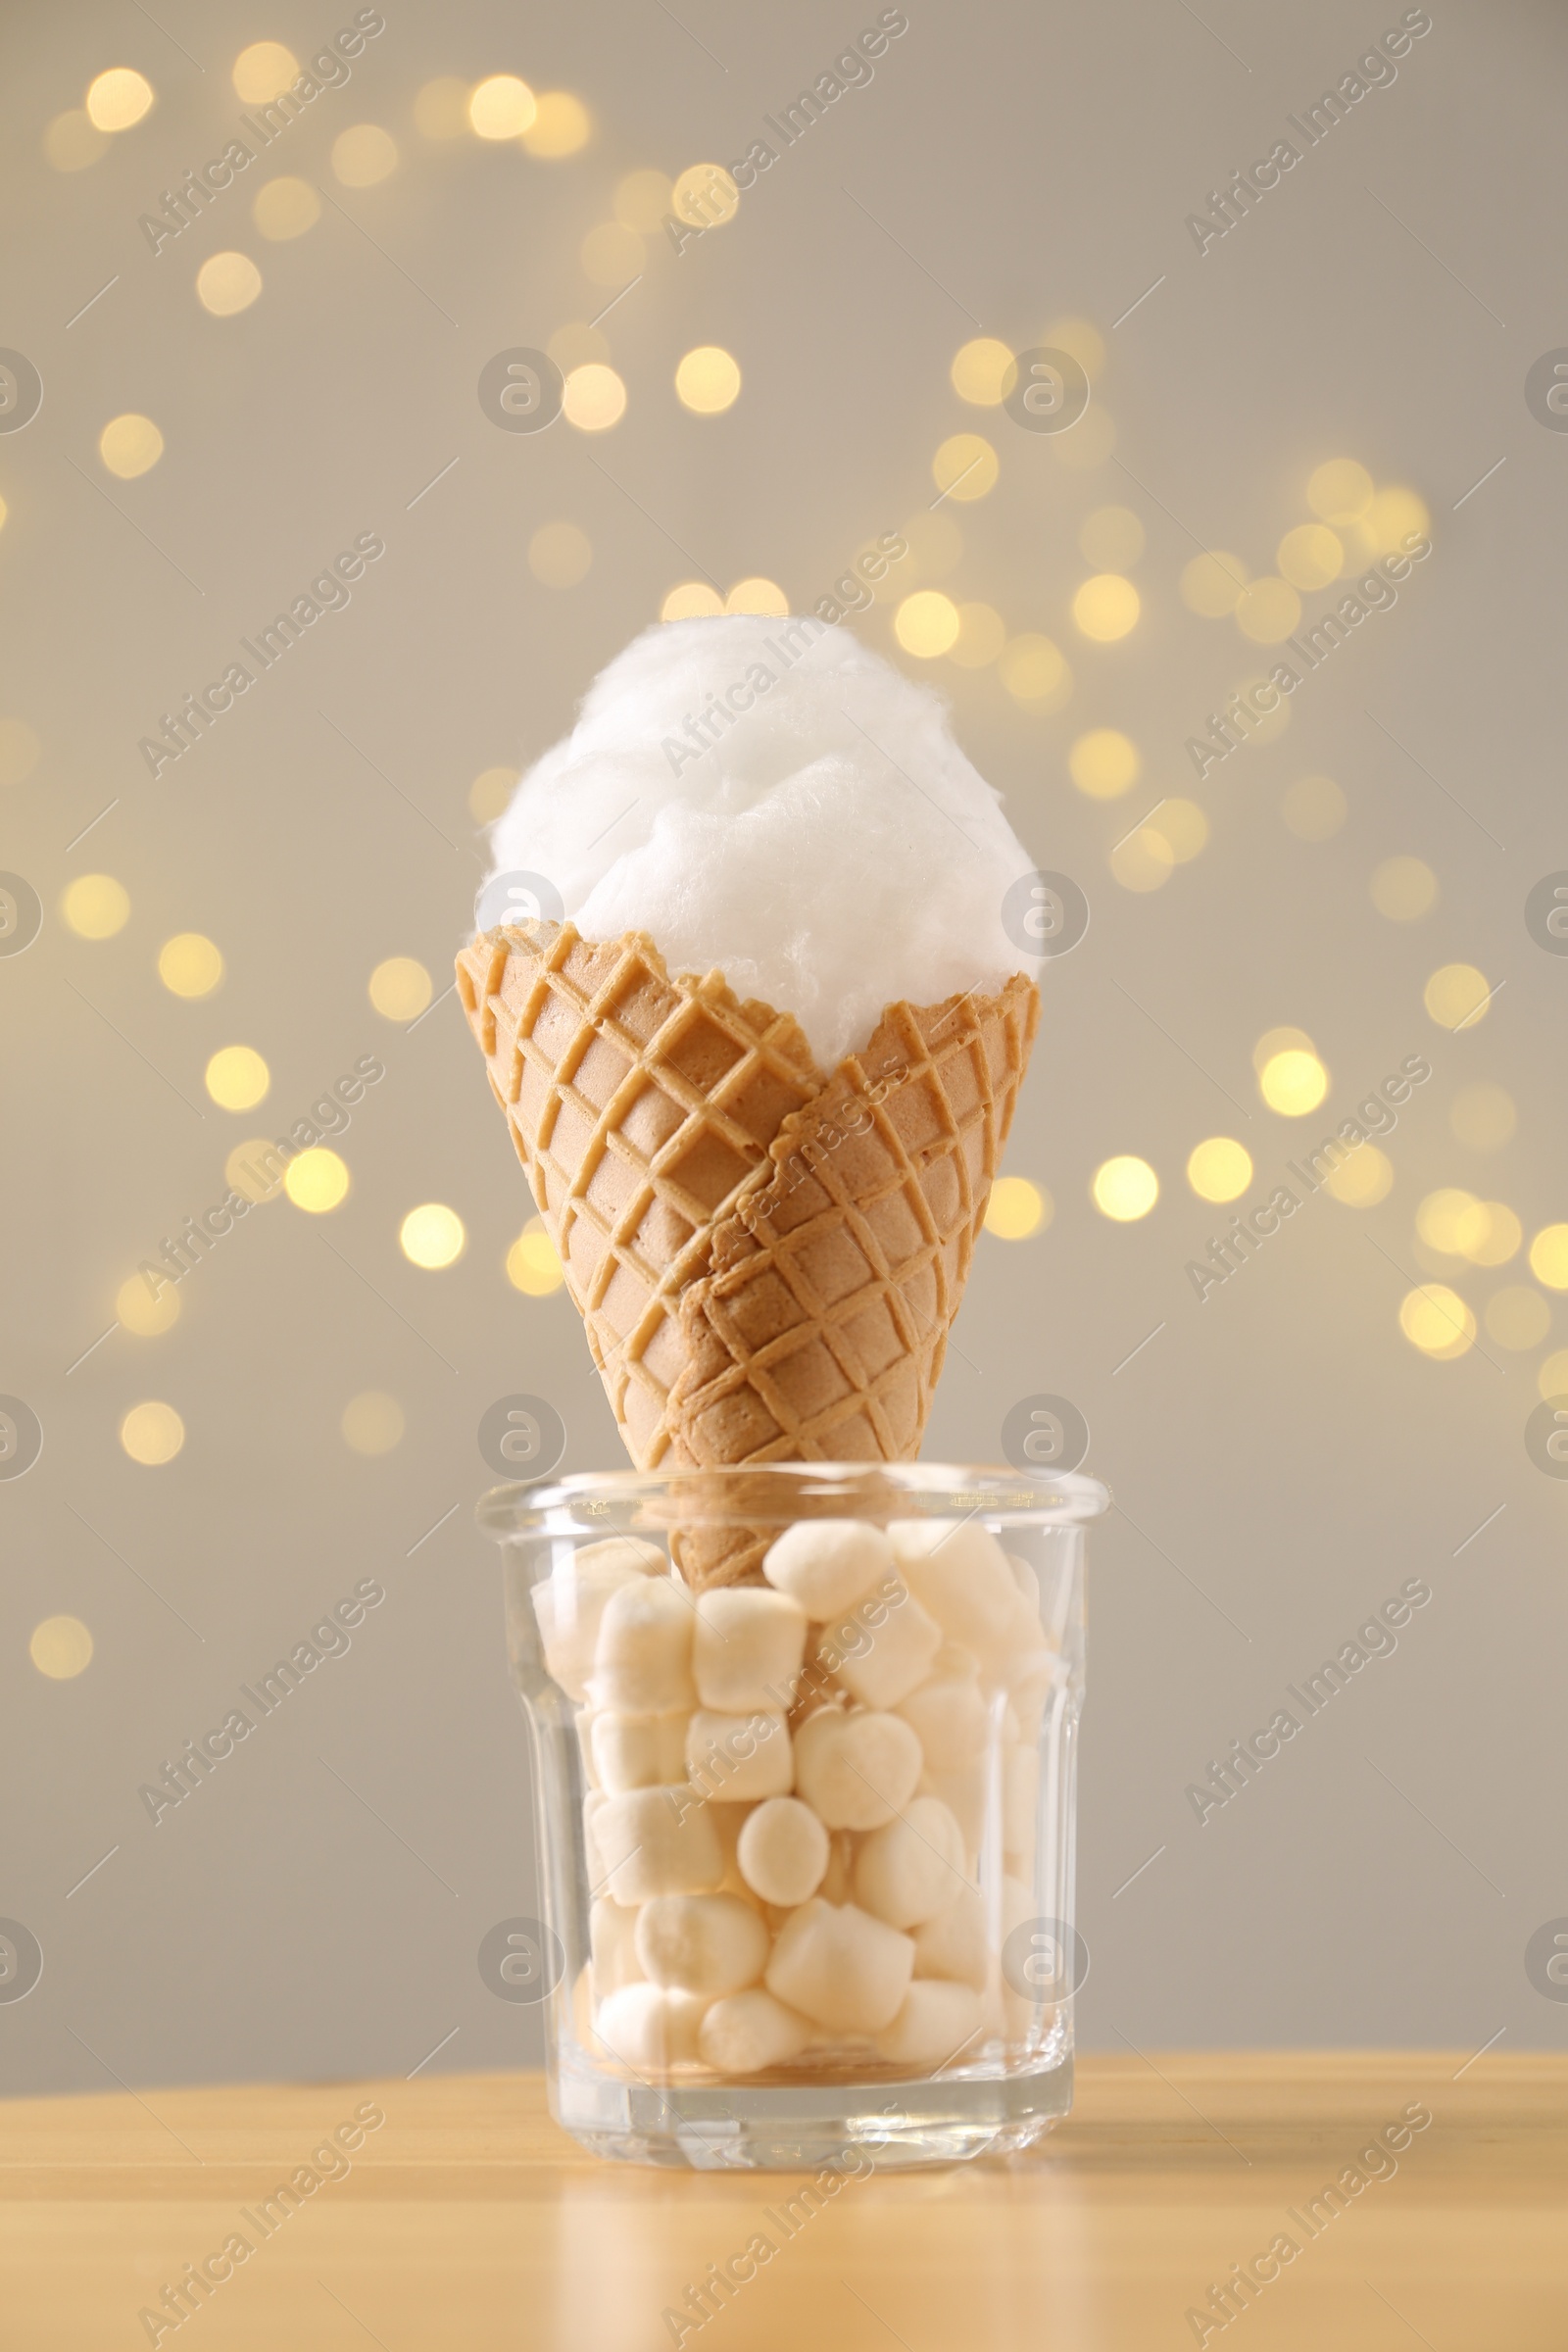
(793,1787)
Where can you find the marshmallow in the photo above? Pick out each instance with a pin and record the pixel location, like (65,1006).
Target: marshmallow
(707,1943)
(570,1602)
(841,1967)
(730,1821)
(857,1770)
(638,1751)
(613,1931)
(911,1868)
(633,1553)
(963,1793)
(952,1943)
(650,2029)
(883,1648)
(838,1879)
(783,1851)
(747,2031)
(934,2024)
(960,1575)
(748,1647)
(658,1842)
(642,1659)
(827,1565)
(948,1718)
(739,1757)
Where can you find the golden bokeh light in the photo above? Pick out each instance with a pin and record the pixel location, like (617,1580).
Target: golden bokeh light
(1180,825)
(1210,584)
(982,634)
(489,793)
(1034,671)
(1551,1377)
(561,126)
(1018,1209)
(926,623)
(432,1236)
(1267,611)
(263,71)
(1458,996)
(1105,762)
(532,1263)
(502,107)
(610,255)
(238,1078)
(1080,339)
(285,207)
(965,467)
(1106,607)
(1394,515)
(1111,539)
(189,965)
(1292,1081)
(1219,1168)
(1403,889)
(61,1647)
(400,987)
(578,345)
(1278,1041)
(560,555)
(691,599)
(1483,1116)
(1339,491)
(708,380)
(441,108)
(372,1422)
(363,154)
(594,398)
(316,1180)
(642,200)
(228,283)
(1310,556)
(1313,808)
(1142,861)
(704,196)
(1549,1256)
(255,1170)
(1363,1180)
(1124,1189)
(118,98)
(145,1314)
(758,595)
(1518,1318)
(151,1434)
(95,906)
(1437,1321)
(1446,1219)
(130,444)
(979,370)
(71,142)
(1495,1236)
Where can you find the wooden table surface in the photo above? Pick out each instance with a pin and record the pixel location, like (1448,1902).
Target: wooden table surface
(469,2219)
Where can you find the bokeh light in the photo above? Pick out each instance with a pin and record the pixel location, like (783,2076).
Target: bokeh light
(502,107)
(363,154)
(70,143)
(263,71)
(560,555)
(95,905)
(561,126)
(1310,556)
(1180,825)
(1142,861)
(1446,1217)
(1267,611)
(1106,607)
(1394,515)
(189,965)
(1018,1209)
(1219,1168)
(227,283)
(1339,491)
(432,1236)
(1437,1321)
(642,200)
(145,1314)
(1313,808)
(1518,1318)
(316,1180)
(372,1422)
(926,623)
(1105,762)
(610,255)
(1363,1180)
(1458,996)
(130,444)
(708,380)
(441,108)
(61,1647)
(400,986)
(965,467)
(979,371)
(118,98)
(1210,584)
(1552,1379)
(151,1434)
(533,1265)
(691,599)
(704,196)
(758,595)
(1549,1256)
(1292,1081)
(1483,1116)
(1124,1189)
(489,793)
(594,398)
(1403,889)
(255,1170)
(285,207)
(238,1078)
(1111,538)
(1034,671)
(982,634)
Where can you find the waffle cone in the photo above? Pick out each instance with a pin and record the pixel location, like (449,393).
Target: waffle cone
(768,1260)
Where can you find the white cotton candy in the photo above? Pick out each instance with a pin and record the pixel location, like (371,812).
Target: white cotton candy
(833,850)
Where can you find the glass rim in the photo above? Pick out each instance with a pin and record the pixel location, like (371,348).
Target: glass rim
(574,1504)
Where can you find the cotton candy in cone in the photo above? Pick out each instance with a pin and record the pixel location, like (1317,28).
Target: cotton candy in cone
(767,1259)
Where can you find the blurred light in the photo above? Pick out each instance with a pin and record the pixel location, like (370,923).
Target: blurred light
(1456,997)
(1339,491)
(1517,1318)
(977,371)
(578,345)
(758,595)
(441,108)
(71,142)
(532,1263)
(1033,671)
(1220,1169)
(1267,611)
(400,986)
(1394,515)
(1446,1218)
(692,599)
(642,200)
(315,1180)
(1437,1321)
(130,444)
(255,1170)
(237,1077)
(61,1647)
(151,1434)
(1492,1236)
(263,71)
(1210,584)
(704,196)
(1363,1180)
(1278,1041)
(1311,555)
(492,788)
(228,282)
(1552,1378)
(432,1236)
(1483,1116)
(502,107)
(372,1422)
(926,623)
(1359,549)
(708,380)
(285,207)
(1079,340)
(1125,1188)
(1403,889)
(139,1311)
(95,905)
(982,634)
(4,512)
(363,154)
(594,398)
(1180,825)
(1142,860)
(1106,607)
(1018,1209)
(610,255)
(965,467)
(1111,539)
(1549,1256)
(1313,808)
(1293,1083)
(560,127)
(560,555)
(189,965)
(118,98)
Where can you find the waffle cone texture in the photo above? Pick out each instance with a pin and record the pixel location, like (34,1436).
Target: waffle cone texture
(767,1259)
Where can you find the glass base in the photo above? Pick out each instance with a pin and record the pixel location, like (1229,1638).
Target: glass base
(801,2128)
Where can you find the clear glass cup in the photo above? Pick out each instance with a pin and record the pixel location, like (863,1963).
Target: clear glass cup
(767,1944)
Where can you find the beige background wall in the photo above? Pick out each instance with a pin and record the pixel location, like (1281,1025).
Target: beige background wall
(1282,1457)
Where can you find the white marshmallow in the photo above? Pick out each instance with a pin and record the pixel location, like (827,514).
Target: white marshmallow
(730,1821)
(840,1967)
(739,1757)
(838,1879)
(648,2030)
(643,1657)
(612,1929)
(911,1868)
(881,1649)
(935,2022)
(961,1574)
(963,1793)
(783,1851)
(948,1718)
(827,1565)
(658,1842)
(707,1943)
(952,1943)
(749,2030)
(747,1649)
(569,1606)
(635,1552)
(857,1770)
(638,1751)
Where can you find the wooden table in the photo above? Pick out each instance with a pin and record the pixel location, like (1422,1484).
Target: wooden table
(466,2219)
